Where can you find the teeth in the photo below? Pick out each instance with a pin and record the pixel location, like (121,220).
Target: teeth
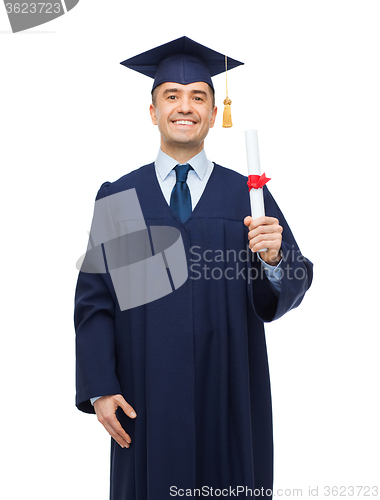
(184,122)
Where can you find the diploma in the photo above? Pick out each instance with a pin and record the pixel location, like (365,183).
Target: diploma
(256,181)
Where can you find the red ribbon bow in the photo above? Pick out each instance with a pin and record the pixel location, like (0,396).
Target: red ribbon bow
(257,181)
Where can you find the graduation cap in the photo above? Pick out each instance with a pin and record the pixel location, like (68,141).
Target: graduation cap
(184,61)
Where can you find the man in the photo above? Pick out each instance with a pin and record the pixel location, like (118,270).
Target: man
(182,383)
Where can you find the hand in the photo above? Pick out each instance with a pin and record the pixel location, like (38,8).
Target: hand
(105,409)
(265,232)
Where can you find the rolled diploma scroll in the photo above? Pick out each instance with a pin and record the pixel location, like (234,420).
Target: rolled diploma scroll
(253,162)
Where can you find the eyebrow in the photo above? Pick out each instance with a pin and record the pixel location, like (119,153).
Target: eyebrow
(169,91)
(173,90)
(199,92)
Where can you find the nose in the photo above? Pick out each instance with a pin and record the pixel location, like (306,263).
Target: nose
(184,105)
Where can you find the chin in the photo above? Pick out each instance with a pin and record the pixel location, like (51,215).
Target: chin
(182,139)
(187,142)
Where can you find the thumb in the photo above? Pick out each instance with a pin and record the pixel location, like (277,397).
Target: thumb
(248,220)
(126,407)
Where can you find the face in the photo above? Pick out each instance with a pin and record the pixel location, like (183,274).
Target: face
(184,114)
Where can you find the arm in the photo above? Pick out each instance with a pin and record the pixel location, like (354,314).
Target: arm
(94,319)
(95,342)
(273,273)
(296,273)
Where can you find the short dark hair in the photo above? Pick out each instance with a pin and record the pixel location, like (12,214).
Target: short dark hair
(155,90)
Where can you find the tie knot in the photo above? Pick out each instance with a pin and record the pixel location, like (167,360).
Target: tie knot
(182,171)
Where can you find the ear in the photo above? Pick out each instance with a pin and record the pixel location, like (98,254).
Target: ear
(213,116)
(153,115)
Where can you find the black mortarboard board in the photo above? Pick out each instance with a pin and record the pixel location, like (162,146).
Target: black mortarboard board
(181,61)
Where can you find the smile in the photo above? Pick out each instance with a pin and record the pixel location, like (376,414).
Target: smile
(184,122)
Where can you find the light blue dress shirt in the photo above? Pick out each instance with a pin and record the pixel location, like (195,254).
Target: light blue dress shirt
(197,180)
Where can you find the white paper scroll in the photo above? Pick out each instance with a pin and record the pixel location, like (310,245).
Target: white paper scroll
(253,162)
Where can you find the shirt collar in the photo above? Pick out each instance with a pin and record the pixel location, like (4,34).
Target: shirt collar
(164,164)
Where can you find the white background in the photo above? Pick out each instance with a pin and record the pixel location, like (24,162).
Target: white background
(71,118)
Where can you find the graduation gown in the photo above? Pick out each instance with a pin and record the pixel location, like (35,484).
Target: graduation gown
(193,364)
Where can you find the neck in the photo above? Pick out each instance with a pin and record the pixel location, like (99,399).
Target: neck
(181,153)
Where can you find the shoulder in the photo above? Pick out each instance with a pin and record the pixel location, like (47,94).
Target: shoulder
(230,179)
(234,186)
(230,174)
(128,181)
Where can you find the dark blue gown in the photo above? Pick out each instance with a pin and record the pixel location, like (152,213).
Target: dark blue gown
(193,364)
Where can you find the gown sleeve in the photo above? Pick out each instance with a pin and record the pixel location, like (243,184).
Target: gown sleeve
(296,273)
(95,338)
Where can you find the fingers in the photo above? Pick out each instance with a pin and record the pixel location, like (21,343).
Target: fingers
(115,430)
(260,222)
(105,408)
(271,241)
(263,229)
(265,233)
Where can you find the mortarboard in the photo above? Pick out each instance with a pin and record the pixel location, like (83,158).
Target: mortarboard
(183,61)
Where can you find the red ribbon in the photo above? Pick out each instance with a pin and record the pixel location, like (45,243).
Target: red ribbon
(257,181)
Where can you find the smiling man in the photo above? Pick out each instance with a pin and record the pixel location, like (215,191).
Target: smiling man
(182,383)
(184,114)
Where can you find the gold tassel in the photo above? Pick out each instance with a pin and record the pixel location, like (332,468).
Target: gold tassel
(227,119)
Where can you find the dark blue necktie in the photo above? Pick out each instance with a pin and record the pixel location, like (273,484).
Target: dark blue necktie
(180,200)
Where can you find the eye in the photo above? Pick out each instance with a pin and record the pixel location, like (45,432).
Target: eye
(172,97)
(197,98)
